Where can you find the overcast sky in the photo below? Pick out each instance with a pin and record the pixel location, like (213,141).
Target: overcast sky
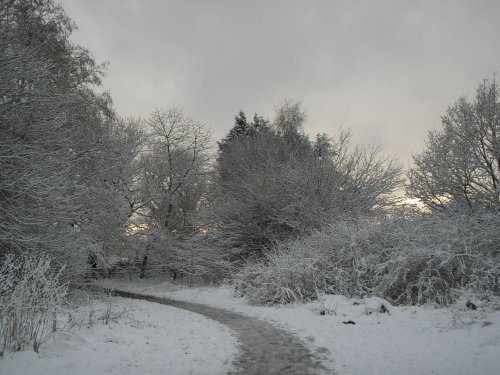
(386,69)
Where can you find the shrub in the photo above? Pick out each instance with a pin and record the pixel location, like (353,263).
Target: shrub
(407,261)
(334,260)
(30,294)
(442,257)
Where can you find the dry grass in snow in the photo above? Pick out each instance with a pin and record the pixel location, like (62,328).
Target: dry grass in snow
(140,337)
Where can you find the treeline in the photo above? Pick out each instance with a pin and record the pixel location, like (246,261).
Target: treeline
(284,216)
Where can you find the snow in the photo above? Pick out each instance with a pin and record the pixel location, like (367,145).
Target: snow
(141,337)
(401,340)
(159,339)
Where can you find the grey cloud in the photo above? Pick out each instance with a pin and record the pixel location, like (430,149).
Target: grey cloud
(387,69)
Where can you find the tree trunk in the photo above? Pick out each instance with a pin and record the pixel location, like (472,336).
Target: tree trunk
(92,261)
(167,216)
(144,263)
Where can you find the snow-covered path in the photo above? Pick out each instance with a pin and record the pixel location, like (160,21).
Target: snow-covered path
(412,340)
(263,349)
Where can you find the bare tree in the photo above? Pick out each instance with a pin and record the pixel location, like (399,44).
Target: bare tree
(460,167)
(357,180)
(39,200)
(63,151)
(289,118)
(175,170)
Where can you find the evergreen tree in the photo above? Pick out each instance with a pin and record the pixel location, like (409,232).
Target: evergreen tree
(242,128)
(323,147)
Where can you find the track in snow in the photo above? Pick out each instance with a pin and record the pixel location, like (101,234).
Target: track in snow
(264,349)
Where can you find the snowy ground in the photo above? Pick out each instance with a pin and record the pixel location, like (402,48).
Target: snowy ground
(404,340)
(140,337)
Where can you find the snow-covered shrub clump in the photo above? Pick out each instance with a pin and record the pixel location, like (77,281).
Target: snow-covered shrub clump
(337,260)
(440,258)
(30,294)
(404,261)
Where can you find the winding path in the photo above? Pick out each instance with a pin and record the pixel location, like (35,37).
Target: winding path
(264,349)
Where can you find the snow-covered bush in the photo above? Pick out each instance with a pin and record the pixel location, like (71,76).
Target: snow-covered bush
(405,261)
(30,295)
(336,260)
(441,257)
(287,276)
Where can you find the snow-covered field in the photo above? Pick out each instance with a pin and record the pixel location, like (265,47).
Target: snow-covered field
(404,340)
(140,337)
